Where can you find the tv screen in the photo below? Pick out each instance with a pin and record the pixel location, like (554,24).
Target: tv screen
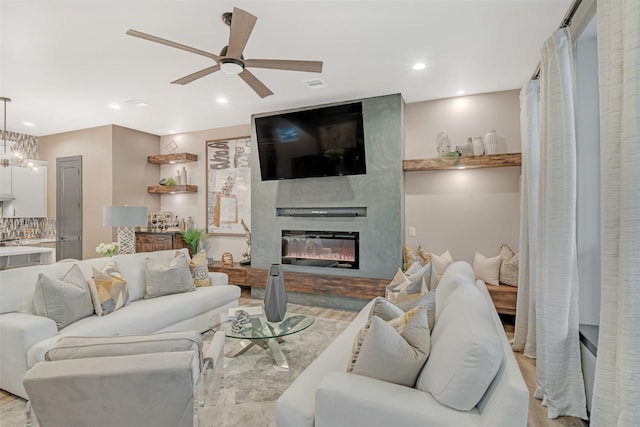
(327,141)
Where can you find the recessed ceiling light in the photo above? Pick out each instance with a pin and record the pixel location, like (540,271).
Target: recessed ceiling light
(419,66)
(28,124)
(460,92)
(114,106)
(222,100)
(172,132)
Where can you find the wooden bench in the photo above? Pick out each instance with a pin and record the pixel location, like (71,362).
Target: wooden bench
(504,297)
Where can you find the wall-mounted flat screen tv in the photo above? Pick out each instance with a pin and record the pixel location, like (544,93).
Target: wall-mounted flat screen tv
(326,141)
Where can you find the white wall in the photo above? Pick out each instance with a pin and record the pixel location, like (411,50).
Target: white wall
(195,204)
(470,210)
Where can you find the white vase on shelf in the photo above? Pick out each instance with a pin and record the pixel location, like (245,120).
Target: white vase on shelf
(490,142)
(478,146)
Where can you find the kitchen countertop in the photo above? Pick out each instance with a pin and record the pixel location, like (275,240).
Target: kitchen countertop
(23,250)
(27,242)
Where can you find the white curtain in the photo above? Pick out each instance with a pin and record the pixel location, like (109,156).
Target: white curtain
(525,332)
(551,269)
(616,394)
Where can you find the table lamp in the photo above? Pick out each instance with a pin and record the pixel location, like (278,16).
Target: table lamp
(125,218)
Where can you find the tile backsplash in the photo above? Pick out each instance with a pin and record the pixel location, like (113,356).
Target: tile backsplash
(23,228)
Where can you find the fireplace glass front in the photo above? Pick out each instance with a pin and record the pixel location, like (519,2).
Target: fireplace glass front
(332,249)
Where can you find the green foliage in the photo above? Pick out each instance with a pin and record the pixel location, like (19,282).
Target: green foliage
(170,181)
(193,237)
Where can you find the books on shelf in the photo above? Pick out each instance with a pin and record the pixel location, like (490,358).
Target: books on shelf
(254,311)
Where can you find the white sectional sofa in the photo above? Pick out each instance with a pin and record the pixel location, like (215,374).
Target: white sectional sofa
(25,337)
(325,395)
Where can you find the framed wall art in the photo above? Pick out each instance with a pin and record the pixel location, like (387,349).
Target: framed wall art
(228,186)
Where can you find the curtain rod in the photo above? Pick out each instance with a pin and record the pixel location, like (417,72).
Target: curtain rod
(566,22)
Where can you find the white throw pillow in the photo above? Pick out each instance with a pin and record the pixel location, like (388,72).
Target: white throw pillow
(466,350)
(381,352)
(440,264)
(487,269)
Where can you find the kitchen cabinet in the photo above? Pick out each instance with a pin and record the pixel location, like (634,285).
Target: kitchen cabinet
(5,180)
(29,189)
(151,242)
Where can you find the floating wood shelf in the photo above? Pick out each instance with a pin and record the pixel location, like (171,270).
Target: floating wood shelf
(471,162)
(173,189)
(166,159)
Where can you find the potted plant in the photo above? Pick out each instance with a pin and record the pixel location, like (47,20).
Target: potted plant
(193,236)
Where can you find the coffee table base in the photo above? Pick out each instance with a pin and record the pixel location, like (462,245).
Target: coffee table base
(271,343)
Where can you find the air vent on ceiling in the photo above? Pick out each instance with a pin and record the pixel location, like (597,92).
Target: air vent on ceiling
(315,83)
(136,102)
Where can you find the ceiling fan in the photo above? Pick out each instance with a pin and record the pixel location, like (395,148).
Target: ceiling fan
(231,60)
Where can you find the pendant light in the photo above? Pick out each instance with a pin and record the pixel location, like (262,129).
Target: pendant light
(5,160)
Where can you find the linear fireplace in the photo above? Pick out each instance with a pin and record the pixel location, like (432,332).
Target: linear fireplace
(333,249)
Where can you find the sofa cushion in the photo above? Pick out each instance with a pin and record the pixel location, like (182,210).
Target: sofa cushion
(169,279)
(458,273)
(466,350)
(63,300)
(440,264)
(393,351)
(487,269)
(108,290)
(509,268)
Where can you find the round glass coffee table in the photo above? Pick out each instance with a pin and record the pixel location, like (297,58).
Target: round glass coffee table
(259,331)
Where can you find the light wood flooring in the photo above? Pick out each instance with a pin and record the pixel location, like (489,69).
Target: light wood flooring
(537,413)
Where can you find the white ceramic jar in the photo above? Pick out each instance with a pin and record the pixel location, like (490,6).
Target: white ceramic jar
(478,146)
(490,142)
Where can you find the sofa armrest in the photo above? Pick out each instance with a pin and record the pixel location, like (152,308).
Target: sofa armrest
(18,332)
(218,278)
(349,400)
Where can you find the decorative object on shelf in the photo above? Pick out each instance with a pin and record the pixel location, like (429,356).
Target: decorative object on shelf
(183,176)
(108,249)
(444,144)
(193,236)
(490,142)
(275,295)
(125,218)
(227,259)
(171,147)
(247,253)
(465,150)
(169,182)
(478,146)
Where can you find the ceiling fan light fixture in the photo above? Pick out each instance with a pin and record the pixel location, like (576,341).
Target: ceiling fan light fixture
(231,66)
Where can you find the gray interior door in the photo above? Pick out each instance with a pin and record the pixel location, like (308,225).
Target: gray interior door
(69,207)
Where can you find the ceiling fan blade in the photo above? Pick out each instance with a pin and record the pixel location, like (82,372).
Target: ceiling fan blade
(255,84)
(284,64)
(166,42)
(242,23)
(196,75)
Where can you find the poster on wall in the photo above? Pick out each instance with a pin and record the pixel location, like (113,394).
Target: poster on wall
(228,186)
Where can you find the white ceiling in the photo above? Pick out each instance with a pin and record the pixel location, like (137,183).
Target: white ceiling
(64,62)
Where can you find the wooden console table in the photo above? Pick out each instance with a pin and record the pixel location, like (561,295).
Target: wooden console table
(504,297)
(237,273)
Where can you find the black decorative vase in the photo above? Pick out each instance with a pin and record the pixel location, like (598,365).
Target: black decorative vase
(275,295)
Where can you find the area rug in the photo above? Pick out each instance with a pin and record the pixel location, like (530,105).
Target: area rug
(245,391)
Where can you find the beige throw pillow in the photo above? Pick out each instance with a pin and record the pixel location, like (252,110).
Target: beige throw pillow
(487,269)
(108,290)
(509,268)
(168,279)
(63,300)
(381,352)
(440,264)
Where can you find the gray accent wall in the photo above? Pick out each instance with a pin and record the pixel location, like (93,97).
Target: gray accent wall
(380,191)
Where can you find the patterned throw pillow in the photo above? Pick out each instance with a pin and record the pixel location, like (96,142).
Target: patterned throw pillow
(200,269)
(381,351)
(409,257)
(509,269)
(108,290)
(404,287)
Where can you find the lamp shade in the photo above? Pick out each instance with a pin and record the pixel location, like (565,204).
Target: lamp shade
(124,216)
